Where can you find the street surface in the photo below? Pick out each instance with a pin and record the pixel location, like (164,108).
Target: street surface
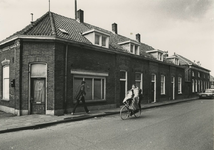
(184,126)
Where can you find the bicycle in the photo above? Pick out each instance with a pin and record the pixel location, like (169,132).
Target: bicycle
(126,112)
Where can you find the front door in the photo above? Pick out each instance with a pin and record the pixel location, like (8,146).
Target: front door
(173,88)
(38,96)
(153,88)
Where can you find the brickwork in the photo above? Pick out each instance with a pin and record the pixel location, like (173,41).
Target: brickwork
(38,52)
(8,53)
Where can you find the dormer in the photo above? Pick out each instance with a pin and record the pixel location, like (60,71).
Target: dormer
(156,53)
(131,46)
(97,37)
(173,59)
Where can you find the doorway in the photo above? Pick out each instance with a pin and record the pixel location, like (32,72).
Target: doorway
(153,89)
(37,89)
(38,97)
(173,88)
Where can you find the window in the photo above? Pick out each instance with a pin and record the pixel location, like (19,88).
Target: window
(131,47)
(199,86)
(193,85)
(162,84)
(199,75)
(97,39)
(196,89)
(103,41)
(160,56)
(176,61)
(134,49)
(193,74)
(95,87)
(100,40)
(139,80)
(6,83)
(179,85)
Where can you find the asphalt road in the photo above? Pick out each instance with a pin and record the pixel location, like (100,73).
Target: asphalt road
(184,126)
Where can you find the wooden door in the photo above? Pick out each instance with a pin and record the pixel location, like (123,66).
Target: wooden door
(38,97)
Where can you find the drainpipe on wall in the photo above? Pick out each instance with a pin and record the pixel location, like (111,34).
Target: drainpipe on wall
(66,79)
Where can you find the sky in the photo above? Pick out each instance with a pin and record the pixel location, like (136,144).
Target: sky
(184,27)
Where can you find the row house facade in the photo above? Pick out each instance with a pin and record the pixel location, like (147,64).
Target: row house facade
(43,64)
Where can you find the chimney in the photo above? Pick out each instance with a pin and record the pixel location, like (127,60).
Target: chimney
(138,37)
(80,16)
(32,18)
(114,28)
(76,9)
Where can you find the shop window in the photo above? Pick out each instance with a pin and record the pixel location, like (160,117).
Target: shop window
(6,82)
(162,84)
(95,87)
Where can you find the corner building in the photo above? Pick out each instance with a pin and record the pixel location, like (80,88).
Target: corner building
(43,64)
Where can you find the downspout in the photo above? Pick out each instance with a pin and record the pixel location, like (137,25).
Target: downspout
(66,79)
(20,77)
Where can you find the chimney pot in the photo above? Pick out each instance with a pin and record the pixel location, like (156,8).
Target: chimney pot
(138,37)
(114,28)
(80,15)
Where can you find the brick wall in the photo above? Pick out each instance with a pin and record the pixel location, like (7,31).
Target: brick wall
(8,52)
(37,52)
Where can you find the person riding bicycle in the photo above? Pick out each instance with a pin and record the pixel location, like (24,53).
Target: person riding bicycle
(133,98)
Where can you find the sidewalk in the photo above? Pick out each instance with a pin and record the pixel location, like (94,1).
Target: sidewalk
(10,123)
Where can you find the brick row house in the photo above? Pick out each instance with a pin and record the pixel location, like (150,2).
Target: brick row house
(43,65)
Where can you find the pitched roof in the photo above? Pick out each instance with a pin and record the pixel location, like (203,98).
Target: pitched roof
(185,61)
(50,24)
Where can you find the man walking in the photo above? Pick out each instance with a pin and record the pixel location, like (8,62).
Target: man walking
(81,97)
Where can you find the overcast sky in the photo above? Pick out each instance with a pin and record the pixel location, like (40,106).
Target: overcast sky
(185,27)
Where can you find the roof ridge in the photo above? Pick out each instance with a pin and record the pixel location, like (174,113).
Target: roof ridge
(26,29)
(53,28)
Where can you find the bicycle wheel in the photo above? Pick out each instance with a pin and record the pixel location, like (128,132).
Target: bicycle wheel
(138,113)
(124,113)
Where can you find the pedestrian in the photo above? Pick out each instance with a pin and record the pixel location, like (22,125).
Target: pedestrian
(80,96)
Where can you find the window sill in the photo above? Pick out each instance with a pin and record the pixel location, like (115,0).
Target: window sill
(92,101)
(6,100)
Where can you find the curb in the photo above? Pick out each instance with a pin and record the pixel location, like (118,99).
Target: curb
(72,119)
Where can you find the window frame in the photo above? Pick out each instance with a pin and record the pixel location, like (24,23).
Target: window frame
(141,80)
(193,85)
(103,91)
(101,37)
(6,98)
(179,85)
(163,86)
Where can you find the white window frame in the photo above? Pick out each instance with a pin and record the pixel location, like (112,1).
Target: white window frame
(100,40)
(179,85)
(126,83)
(94,77)
(193,85)
(141,81)
(6,97)
(163,82)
